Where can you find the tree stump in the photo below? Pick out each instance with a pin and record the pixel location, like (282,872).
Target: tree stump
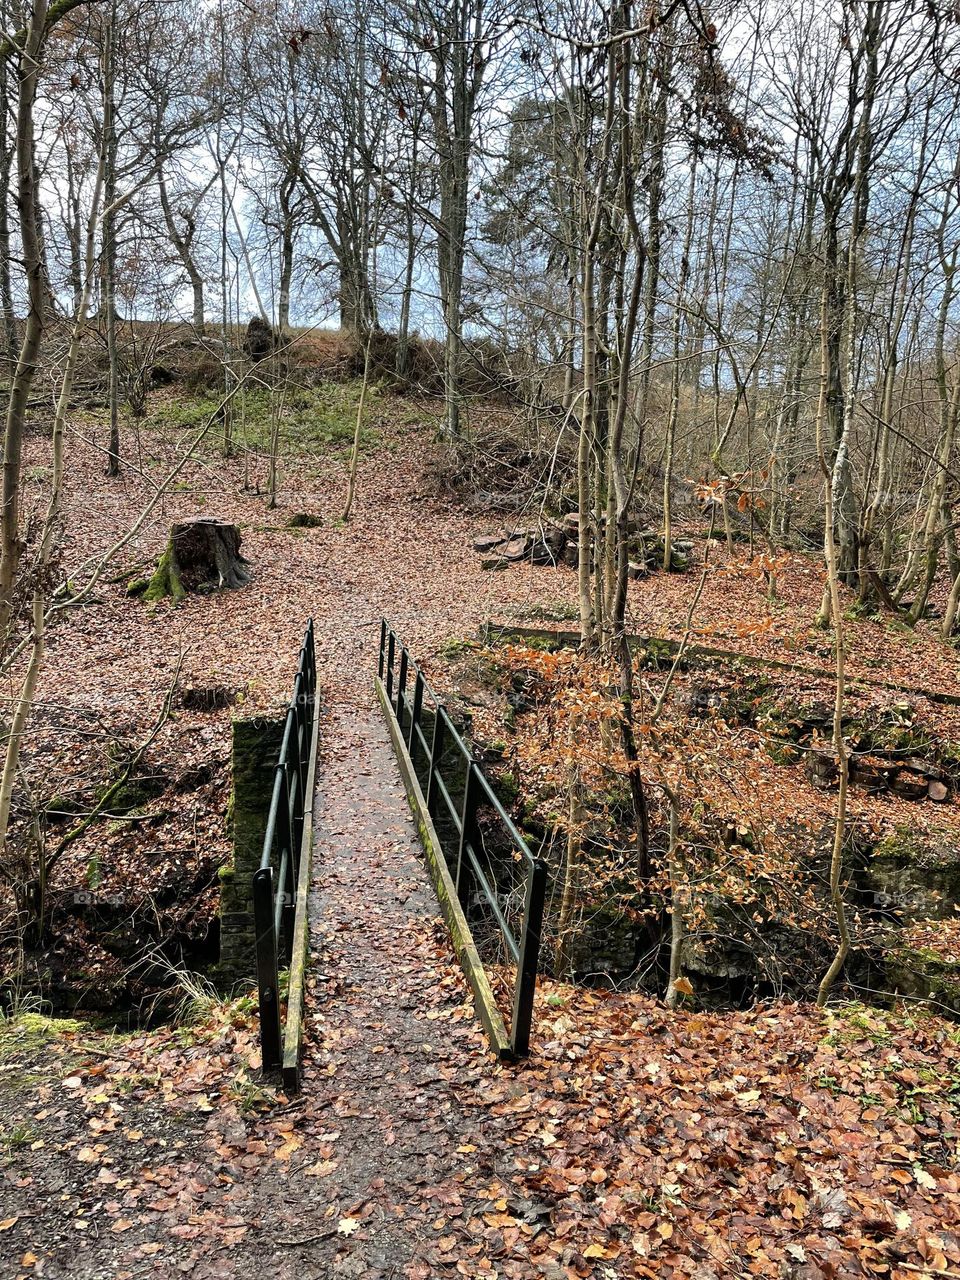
(202,555)
(873,772)
(259,340)
(822,769)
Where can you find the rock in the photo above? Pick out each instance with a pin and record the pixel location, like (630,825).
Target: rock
(636,569)
(916,873)
(926,974)
(815,715)
(701,699)
(719,956)
(255,746)
(208,697)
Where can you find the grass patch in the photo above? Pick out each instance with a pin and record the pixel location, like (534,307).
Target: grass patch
(855,1021)
(17,1136)
(313,418)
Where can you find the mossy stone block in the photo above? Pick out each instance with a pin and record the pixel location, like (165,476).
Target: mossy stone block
(255,751)
(918,873)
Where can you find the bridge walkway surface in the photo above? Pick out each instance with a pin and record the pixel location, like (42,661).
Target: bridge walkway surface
(383,1134)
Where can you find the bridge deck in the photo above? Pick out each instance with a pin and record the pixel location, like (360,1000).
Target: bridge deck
(388,1034)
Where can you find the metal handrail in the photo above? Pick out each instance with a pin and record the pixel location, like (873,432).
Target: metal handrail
(395,665)
(275,881)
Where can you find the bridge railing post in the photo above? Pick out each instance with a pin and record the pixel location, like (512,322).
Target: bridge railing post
(391,657)
(454,831)
(436,755)
(529,958)
(468,834)
(402,686)
(268,975)
(416,713)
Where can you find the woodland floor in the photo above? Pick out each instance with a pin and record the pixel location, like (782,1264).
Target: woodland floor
(778,1142)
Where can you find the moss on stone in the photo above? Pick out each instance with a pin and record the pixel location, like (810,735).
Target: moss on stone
(899,846)
(925,973)
(130,794)
(28,1032)
(918,872)
(254,751)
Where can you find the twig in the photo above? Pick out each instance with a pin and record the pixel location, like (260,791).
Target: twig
(323,1235)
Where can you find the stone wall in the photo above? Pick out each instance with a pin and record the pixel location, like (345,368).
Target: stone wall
(255,750)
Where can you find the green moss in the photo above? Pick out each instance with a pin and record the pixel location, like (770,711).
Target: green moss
(131,795)
(184,411)
(165,581)
(890,735)
(900,846)
(321,416)
(925,973)
(94,873)
(61,806)
(507,790)
(905,847)
(453,647)
(856,1021)
(27,1033)
(555,613)
(544,644)
(658,653)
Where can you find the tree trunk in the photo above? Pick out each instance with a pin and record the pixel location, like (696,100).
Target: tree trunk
(109,261)
(6,285)
(183,243)
(286,256)
(10,546)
